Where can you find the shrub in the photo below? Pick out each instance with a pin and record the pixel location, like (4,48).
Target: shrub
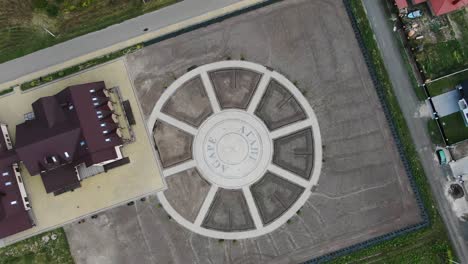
(6,91)
(52,10)
(40,4)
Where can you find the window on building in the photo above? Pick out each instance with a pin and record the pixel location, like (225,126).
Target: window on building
(98,112)
(70,107)
(92,91)
(82,143)
(7,183)
(105,132)
(13,202)
(66,155)
(103,124)
(96,104)
(100,116)
(108,139)
(94,98)
(5,173)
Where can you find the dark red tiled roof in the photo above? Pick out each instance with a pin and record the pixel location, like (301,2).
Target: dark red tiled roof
(401,3)
(71,127)
(33,155)
(60,178)
(13,216)
(7,158)
(440,7)
(90,123)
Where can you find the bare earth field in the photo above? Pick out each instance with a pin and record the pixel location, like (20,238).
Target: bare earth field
(363,191)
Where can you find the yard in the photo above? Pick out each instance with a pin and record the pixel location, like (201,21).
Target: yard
(24,24)
(446,84)
(454,128)
(50,247)
(443,45)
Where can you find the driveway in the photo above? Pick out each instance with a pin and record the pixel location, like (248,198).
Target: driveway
(410,106)
(446,103)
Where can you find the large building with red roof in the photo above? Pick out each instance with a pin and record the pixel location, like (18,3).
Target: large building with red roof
(438,7)
(76,127)
(14,203)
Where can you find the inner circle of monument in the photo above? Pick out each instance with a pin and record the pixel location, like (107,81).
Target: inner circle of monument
(232,149)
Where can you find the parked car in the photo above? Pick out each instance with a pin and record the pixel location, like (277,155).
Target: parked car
(442,156)
(414,14)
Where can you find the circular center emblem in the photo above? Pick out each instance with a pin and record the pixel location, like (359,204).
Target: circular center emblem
(232,148)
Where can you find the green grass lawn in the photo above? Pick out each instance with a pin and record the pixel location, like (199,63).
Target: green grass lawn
(442,58)
(429,245)
(22,22)
(35,251)
(434,132)
(446,84)
(454,128)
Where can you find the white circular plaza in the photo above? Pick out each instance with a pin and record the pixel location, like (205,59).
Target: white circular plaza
(240,149)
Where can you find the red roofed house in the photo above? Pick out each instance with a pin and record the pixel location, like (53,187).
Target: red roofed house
(14,203)
(73,128)
(401,4)
(440,7)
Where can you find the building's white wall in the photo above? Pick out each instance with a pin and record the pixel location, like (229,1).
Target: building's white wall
(19,180)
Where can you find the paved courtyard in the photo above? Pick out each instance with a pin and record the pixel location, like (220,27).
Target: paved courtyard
(362,192)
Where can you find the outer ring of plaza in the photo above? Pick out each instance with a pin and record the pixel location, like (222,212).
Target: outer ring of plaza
(235,149)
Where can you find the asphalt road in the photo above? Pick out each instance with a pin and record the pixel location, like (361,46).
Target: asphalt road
(129,29)
(417,123)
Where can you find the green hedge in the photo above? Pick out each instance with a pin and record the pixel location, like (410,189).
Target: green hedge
(77,68)
(6,91)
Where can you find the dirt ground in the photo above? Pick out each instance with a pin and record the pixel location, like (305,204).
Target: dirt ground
(363,191)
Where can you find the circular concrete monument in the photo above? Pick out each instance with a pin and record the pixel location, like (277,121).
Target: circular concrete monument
(232,149)
(239,147)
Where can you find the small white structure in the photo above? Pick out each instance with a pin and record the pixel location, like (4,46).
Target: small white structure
(463,102)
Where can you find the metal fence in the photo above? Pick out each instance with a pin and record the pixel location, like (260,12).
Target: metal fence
(381,95)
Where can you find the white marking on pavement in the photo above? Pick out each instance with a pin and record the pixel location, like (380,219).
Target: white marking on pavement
(179,168)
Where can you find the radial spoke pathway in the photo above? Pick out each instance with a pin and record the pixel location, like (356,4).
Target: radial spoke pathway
(179,168)
(211,93)
(259,92)
(206,205)
(179,124)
